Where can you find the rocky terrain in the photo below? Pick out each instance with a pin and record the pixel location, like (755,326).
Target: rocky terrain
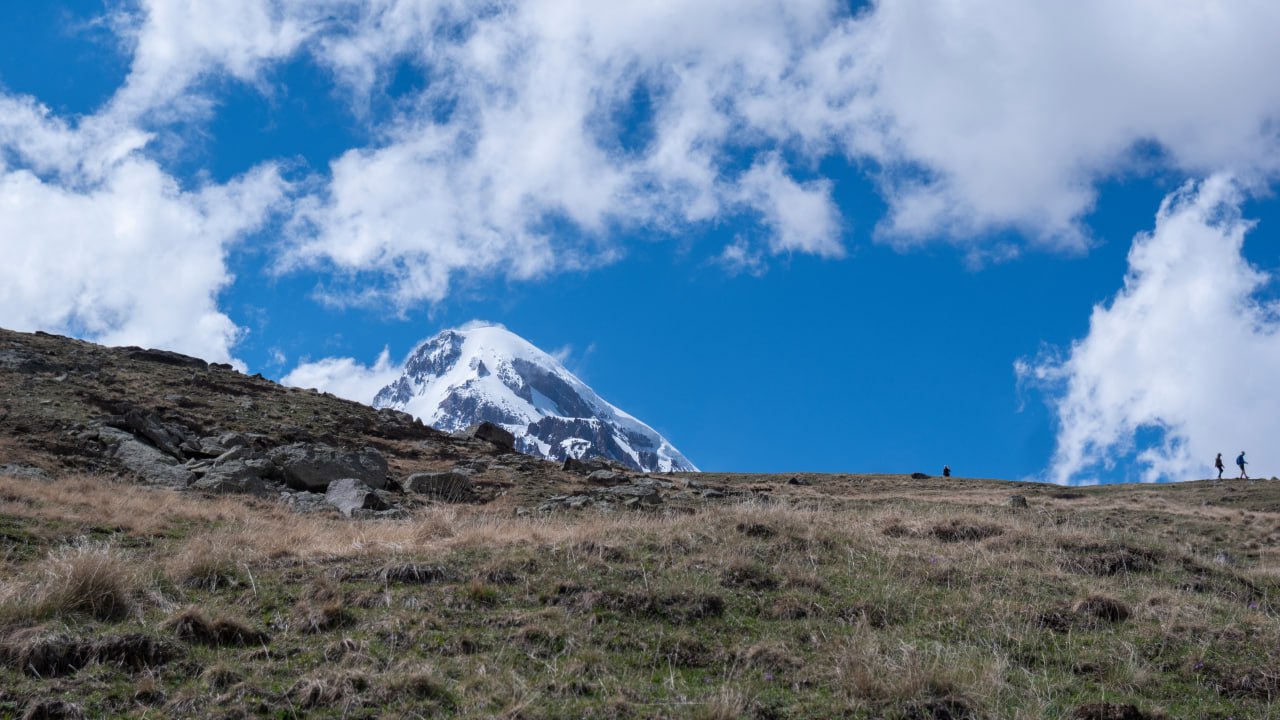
(179,539)
(166,419)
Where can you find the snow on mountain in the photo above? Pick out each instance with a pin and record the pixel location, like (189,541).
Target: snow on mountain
(466,376)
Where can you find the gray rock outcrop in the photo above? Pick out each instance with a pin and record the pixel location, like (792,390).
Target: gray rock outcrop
(350,495)
(143,460)
(450,485)
(312,467)
(501,438)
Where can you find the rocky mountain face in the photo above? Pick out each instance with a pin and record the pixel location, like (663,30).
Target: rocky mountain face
(161,418)
(459,378)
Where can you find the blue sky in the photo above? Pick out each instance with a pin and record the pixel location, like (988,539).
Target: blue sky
(789,236)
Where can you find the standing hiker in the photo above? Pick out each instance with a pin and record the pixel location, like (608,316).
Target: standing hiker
(1218,464)
(1240,461)
(946,471)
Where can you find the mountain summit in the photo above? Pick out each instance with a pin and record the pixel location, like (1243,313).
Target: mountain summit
(462,377)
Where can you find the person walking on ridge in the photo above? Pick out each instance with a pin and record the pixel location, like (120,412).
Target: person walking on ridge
(1217,462)
(1240,461)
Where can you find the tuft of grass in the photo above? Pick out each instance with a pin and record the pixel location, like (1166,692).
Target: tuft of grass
(94,580)
(192,625)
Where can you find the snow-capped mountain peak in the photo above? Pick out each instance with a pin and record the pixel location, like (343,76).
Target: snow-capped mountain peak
(487,373)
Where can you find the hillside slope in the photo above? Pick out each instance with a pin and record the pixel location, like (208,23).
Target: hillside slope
(587,592)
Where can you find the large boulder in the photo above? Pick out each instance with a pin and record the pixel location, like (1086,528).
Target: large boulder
(143,460)
(500,437)
(450,485)
(236,471)
(350,495)
(312,467)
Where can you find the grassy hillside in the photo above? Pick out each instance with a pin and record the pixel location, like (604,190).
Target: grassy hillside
(852,596)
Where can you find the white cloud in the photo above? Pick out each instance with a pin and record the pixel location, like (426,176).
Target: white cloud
(132,260)
(101,242)
(346,377)
(543,128)
(1185,349)
(1006,114)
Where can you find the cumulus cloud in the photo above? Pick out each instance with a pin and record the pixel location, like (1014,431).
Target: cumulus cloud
(130,258)
(99,240)
(1003,114)
(534,135)
(977,117)
(1186,351)
(346,377)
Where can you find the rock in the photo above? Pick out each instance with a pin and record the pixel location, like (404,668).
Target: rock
(450,485)
(230,440)
(144,460)
(797,480)
(394,513)
(29,472)
(153,428)
(166,357)
(23,363)
(586,467)
(500,437)
(237,475)
(1017,501)
(351,494)
(646,495)
(312,467)
(919,476)
(606,477)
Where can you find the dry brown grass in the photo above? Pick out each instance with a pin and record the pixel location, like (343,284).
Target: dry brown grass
(97,580)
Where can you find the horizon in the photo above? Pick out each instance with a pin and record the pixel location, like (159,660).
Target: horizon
(817,237)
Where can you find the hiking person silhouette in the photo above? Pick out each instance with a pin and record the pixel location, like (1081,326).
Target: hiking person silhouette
(1240,461)
(1217,462)
(946,471)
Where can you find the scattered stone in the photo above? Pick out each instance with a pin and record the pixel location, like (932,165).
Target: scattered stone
(23,363)
(919,476)
(500,437)
(312,467)
(391,513)
(586,467)
(450,485)
(29,472)
(1017,501)
(797,480)
(351,494)
(606,477)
